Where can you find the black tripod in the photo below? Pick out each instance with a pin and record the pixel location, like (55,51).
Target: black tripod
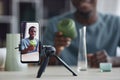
(48,52)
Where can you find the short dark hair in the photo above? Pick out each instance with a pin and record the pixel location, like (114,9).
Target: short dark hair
(31,28)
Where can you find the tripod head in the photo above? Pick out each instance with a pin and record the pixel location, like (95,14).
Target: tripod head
(48,50)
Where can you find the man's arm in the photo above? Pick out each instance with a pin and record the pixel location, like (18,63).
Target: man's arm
(26,50)
(101,56)
(60,42)
(52,37)
(115,61)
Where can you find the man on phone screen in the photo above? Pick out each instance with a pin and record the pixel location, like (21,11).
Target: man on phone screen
(30,44)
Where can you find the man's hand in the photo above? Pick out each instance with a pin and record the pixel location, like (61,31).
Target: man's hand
(61,42)
(31,48)
(96,58)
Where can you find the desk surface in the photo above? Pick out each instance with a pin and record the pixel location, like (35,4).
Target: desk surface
(60,73)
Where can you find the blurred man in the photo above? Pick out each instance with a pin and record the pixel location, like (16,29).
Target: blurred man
(103,35)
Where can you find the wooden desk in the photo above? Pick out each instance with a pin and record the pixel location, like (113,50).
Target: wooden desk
(60,73)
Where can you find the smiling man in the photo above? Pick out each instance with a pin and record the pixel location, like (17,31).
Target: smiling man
(103,35)
(30,44)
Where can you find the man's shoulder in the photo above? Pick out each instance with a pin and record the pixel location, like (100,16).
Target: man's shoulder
(25,39)
(110,17)
(110,20)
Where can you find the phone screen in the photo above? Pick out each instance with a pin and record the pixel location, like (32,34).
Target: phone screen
(29,43)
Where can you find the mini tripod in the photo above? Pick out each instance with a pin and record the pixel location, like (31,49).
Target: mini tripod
(48,52)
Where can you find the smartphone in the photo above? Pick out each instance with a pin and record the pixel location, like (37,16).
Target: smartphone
(29,42)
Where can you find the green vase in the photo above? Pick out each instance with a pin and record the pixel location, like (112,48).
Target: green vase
(13,62)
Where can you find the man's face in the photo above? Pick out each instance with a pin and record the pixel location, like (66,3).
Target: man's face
(85,7)
(32,32)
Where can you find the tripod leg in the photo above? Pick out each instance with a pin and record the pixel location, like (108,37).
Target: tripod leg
(58,58)
(43,66)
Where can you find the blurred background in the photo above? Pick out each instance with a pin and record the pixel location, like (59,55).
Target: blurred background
(12,12)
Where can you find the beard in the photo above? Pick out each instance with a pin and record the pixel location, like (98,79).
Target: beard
(86,15)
